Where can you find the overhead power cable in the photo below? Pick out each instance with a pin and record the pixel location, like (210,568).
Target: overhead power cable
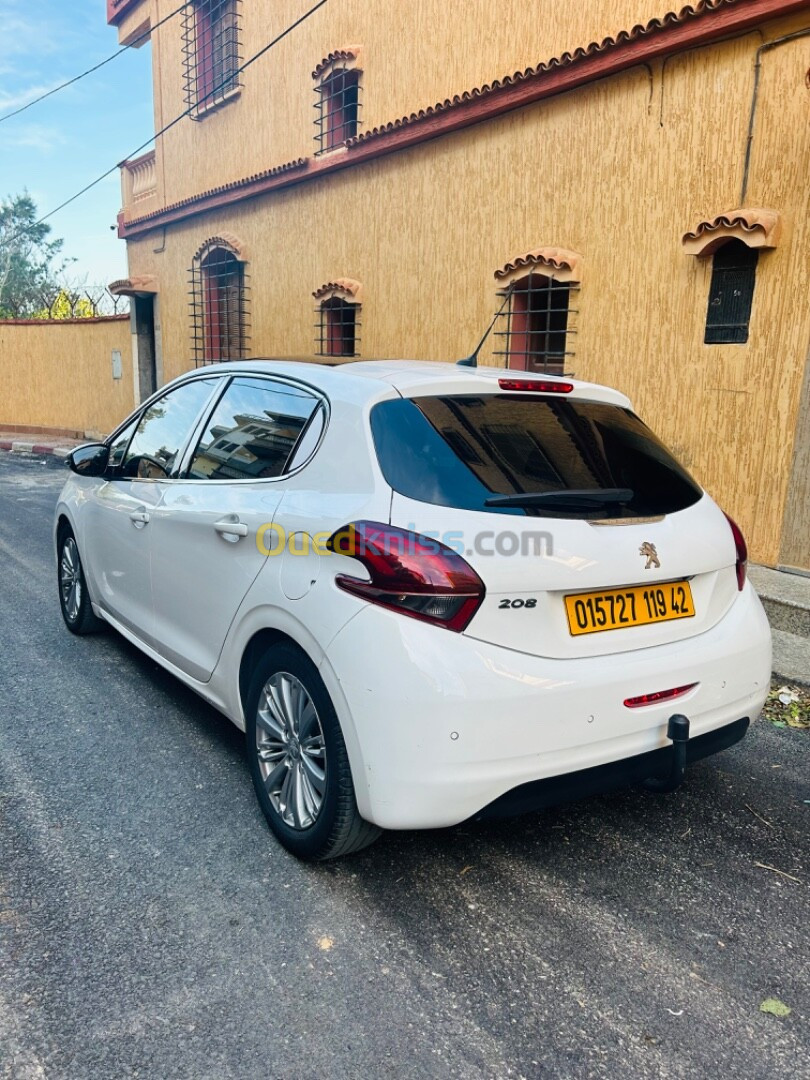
(96,67)
(227,81)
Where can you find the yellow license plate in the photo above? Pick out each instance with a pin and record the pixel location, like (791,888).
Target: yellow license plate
(638,605)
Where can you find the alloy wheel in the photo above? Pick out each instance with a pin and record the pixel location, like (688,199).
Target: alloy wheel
(70,579)
(291,750)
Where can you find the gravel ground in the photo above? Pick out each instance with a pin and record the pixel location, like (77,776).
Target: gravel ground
(150,927)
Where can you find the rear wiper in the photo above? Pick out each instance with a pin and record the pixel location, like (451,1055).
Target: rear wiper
(585,497)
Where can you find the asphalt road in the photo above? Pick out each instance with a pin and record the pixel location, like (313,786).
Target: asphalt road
(150,926)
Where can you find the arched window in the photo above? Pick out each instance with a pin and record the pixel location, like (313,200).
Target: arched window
(219,307)
(211,48)
(537,324)
(338,318)
(535,309)
(731,293)
(337,105)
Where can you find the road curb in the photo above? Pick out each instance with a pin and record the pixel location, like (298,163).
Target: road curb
(31,449)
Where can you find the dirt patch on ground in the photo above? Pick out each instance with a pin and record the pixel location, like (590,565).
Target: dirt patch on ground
(788,706)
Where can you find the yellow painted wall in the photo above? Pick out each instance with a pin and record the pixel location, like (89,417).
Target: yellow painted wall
(59,375)
(616,171)
(413,55)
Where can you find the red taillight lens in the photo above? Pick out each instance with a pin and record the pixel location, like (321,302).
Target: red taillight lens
(411,574)
(538,385)
(742,552)
(658,696)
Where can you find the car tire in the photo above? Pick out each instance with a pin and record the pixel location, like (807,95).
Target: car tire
(74,599)
(298,759)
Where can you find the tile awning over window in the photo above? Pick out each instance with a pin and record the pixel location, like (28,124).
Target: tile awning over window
(348,56)
(756,227)
(343,289)
(552,261)
(136,286)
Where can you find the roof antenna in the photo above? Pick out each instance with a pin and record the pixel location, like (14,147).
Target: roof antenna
(472,359)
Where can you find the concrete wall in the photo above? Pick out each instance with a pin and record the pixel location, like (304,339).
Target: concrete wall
(58,374)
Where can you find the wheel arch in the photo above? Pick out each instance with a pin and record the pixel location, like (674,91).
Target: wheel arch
(262,639)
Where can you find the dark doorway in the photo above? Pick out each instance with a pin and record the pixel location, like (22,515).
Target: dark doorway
(144,317)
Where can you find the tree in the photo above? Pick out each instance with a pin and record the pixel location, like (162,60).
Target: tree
(67,304)
(28,267)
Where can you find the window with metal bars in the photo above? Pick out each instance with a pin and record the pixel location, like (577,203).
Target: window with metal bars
(337,105)
(338,326)
(212,51)
(536,321)
(731,294)
(218,307)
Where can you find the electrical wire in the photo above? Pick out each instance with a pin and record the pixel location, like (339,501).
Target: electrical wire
(228,80)
(76,78)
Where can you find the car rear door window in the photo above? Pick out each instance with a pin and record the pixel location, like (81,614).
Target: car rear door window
(253,431)
(460,451)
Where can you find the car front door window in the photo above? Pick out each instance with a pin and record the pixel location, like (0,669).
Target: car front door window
(164,427)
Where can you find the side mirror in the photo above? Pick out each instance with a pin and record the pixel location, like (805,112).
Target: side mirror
(89,460)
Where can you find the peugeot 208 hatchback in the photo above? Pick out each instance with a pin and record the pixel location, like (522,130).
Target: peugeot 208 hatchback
(426,592)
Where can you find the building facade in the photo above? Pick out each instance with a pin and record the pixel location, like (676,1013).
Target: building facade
(626,186)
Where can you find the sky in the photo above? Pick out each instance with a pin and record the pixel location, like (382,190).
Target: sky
(58,146)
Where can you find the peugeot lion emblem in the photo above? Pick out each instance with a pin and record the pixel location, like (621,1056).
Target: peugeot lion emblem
(648,551)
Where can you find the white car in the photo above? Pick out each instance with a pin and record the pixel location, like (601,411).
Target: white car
(426,592)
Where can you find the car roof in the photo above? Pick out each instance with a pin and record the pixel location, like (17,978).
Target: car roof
(346,376)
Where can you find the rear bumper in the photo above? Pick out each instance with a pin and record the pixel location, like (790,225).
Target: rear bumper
(443,726)
(570,787)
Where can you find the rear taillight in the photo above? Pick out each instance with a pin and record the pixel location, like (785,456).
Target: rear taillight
(409,573)
(742,552)
(538,385)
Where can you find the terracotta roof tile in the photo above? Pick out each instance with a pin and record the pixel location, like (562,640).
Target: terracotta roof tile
(755,226)
(344,285)
(289,166)
(672,18)
(146,283)
(332,58)
(552,258)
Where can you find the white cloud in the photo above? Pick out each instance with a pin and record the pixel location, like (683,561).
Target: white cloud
(34,137)
(9,102)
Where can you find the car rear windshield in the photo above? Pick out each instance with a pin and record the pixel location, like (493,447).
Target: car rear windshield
(461,451)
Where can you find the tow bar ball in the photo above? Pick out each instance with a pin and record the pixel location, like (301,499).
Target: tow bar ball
(678,733)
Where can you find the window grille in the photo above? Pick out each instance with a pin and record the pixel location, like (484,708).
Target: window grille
(337,108)
(535,324)
(219,318)
(211,51)
(731,294)
(338,325)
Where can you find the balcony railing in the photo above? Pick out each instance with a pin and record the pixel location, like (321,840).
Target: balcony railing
(138,182)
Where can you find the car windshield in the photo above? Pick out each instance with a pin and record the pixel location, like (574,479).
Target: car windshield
(461,450)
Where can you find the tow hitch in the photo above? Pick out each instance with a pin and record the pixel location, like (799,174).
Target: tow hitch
(678,732)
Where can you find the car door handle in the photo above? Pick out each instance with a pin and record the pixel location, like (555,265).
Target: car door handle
(139,518)
(231,530)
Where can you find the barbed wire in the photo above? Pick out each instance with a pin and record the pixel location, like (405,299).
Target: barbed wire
(69,302)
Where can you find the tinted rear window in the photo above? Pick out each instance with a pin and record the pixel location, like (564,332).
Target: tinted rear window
(459,451)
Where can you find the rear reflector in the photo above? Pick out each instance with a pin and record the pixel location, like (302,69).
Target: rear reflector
(658,696)
(411,574)
(539,386)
